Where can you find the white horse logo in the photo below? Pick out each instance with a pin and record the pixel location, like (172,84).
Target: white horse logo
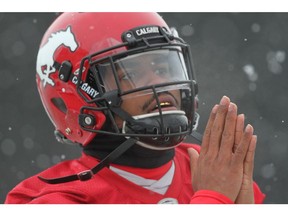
(45,59)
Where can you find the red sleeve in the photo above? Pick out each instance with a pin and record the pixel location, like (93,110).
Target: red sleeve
(213,197)
(258,195)
(209,197)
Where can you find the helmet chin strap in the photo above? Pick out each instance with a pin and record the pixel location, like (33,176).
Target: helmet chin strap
(88,174)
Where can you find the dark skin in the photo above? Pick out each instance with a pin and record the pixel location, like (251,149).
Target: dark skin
(145,71)
(225,163)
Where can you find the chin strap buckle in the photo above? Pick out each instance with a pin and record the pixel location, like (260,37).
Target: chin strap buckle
(85,175)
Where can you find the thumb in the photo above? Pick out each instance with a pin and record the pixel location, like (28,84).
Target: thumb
(194,155)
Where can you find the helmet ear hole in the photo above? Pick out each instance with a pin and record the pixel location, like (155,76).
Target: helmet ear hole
(59,104)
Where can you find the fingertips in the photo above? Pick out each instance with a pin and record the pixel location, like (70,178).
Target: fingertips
(240,122)
(222,110)
(214,109)
(249,130)
(232,108)
(212,115)
(248,134)
(224,101)
(244,145)
(223,107)
(253,143)
(232,112)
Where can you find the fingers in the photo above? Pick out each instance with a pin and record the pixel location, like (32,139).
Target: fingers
(249,159)
(239,130)
(206,136)
(242,148)
(218,126)
(228,135)
(225,130)
(246,194)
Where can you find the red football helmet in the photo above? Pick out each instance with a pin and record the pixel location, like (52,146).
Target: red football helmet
(78,79)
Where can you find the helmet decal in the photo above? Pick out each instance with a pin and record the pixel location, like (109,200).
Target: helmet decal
(147,30)
(45,58)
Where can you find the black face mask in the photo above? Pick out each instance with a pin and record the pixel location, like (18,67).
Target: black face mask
(162,54)
(155,136)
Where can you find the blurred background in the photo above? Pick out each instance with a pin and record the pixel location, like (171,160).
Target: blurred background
(241,55)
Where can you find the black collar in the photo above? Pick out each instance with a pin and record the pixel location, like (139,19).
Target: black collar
(136,156)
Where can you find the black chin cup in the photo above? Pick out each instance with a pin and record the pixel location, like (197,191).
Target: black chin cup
(159,131)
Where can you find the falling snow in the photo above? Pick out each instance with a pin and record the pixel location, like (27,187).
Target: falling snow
(242,57)
(275,60)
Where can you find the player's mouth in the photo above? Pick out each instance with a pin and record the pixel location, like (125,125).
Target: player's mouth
(166,102)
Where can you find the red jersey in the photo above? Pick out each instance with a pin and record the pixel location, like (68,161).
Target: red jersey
(107,187)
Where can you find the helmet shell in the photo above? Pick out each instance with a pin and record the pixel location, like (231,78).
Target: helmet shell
(70,38)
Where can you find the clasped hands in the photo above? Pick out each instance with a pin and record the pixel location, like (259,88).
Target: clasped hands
(226,160)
